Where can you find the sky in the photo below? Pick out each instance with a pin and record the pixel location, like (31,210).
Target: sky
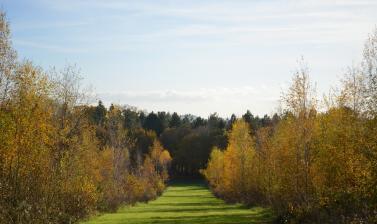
(195,57)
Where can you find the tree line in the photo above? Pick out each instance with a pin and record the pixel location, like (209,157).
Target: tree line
(317,164)
(188,138)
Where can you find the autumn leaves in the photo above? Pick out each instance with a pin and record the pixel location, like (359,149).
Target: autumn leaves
(317,164)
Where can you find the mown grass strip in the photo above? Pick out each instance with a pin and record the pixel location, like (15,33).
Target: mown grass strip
(185,203)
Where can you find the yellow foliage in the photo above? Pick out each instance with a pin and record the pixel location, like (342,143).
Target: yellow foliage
(231,171)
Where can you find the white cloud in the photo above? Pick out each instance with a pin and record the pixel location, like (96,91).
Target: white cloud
(223,100)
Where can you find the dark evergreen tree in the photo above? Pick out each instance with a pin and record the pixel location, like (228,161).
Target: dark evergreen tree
(175,120)
(131,119)
(100,113)
(198,122)
(153,122)
(232,119)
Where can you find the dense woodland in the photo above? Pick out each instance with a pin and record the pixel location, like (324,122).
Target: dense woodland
(189,139)
(63,159)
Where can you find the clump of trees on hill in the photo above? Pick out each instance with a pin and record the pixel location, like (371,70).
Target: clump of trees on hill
(313,166)
(60,159)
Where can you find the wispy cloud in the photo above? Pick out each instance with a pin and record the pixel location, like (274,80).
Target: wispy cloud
(231,11)
(45,25)
(50,47)
(208,23)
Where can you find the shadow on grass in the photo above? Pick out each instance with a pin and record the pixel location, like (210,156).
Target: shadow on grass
(199,209)
(189,204)
(215,219)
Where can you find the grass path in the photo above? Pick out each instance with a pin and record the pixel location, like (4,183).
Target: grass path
(185,203)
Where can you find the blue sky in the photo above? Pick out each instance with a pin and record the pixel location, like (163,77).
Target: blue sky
(193,57)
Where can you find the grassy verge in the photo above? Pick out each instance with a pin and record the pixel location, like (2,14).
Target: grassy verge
(182,203)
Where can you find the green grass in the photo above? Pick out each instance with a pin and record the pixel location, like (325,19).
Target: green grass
(185,203)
